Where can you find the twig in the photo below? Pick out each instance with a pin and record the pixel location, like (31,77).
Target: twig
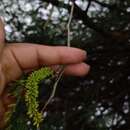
(49,18)
(61,70)
(68,25)
(54,89)
(89,4)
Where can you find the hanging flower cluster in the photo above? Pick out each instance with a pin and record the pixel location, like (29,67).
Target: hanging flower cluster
(32,93)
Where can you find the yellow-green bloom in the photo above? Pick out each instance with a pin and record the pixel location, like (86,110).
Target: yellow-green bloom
(32,93)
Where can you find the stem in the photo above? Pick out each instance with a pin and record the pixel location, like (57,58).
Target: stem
(68,25)
(54,89)
(61,70)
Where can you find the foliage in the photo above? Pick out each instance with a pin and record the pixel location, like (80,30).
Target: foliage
(101,27)
(19,115)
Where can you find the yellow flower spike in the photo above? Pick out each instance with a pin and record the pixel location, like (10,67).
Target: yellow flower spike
(32,94)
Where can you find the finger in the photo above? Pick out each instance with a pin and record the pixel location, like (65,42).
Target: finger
(2,35)
(21,57)
(80,69)
(30,56)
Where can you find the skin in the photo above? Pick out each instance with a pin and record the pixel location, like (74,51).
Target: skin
(24,57)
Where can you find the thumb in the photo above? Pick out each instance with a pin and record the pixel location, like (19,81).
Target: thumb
(2,35)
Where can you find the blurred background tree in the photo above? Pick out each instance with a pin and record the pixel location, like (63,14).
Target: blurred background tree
(101,100)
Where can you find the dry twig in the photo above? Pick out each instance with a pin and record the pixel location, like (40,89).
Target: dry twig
(61,70)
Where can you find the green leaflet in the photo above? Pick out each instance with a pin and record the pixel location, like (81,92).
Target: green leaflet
(32,94)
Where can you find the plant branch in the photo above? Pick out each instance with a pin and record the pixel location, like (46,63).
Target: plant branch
(68,25)
(81,15)
(61,69)
(89,3)
(54,89)
(111,7)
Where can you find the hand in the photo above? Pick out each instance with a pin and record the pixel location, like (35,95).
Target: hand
(23,57)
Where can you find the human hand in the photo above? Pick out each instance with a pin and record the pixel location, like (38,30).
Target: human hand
(17,58)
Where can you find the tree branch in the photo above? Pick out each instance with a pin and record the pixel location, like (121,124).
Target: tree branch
(111,7)
(81,15)
(89,3)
